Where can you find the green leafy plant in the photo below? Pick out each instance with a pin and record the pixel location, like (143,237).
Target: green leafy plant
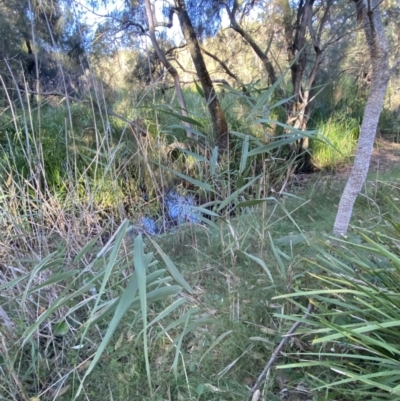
(354,330)
(84,294)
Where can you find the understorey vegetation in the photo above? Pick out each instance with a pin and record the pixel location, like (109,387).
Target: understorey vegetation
(166,219)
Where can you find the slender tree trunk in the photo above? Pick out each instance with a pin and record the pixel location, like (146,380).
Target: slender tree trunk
(217,114)
(170,68)
(369,14)
(296,37)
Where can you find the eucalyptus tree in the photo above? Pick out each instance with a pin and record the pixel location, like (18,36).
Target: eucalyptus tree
(32,37)
(306,29)
(196,19)
(218,118)
(237,11)
(307,21)
(22,30)
(140,18)
(167,64)
(369,17)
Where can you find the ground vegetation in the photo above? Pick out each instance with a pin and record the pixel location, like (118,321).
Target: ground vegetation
(147,252)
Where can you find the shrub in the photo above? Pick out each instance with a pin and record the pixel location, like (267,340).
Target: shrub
(354,332)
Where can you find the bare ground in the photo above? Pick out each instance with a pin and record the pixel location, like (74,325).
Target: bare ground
(385,157)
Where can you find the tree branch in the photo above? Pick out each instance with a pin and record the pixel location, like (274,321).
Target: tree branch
(182,67)
(278,350)
(252,43)
(171,69)
(175,48)
(225,68)
(394,67)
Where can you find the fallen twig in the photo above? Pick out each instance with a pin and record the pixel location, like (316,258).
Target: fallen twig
(277,351)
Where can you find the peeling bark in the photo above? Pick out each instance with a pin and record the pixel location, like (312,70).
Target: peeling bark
(370,17)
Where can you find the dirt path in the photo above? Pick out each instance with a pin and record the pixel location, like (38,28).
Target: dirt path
(385,157)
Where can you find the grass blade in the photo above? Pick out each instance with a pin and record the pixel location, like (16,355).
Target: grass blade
(140,267)
(175,273)
(123,305)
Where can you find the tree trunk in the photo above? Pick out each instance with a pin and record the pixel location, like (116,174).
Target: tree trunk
(296,41)
(217,114)
(369,15)
(170,68)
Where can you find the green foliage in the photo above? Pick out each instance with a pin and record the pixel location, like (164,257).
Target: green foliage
(342,134)
(354,328)
(60,148)
(77,296)
(90,312)
(225,184)
(337,115)
(389,125)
